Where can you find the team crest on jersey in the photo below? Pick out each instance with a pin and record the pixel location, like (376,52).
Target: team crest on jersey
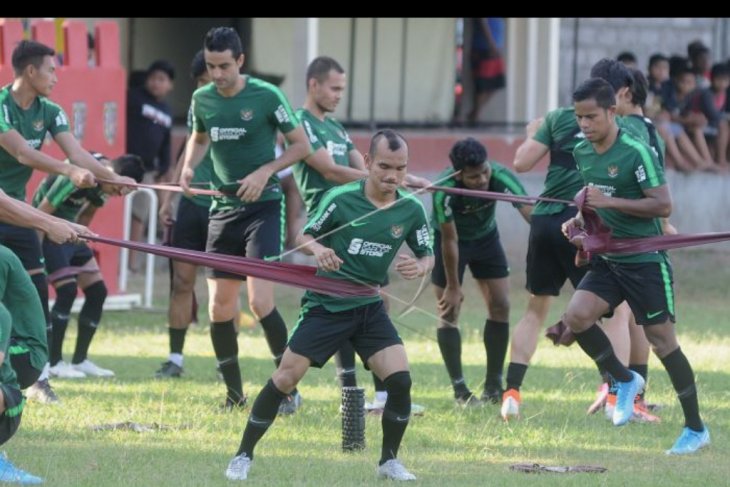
(612,171)
(396,231)
(38,125)
(246,115)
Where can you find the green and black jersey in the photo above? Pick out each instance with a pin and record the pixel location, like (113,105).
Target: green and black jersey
(33,124)
(327,133)
(242,131)
(643,129)
(202,173)
(365,238)
(625,170)
(65,198)
(560,132)
(20,299)
(474,217)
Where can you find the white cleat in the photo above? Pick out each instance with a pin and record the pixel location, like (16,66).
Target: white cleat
(92,370)
(62,370)
(394,470)
(238,467)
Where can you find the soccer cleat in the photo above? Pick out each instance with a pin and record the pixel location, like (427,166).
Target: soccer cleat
(610,406)
(92,370)
(238,467)
(169,370)
(510,404)
(690,441)
(417,409)
(642,414)
(468,401)
(290,404)
(625,394)
(492,395)
(231,405)
(11,474)
(600,401)
(394,470)
(62,370)
(42,392)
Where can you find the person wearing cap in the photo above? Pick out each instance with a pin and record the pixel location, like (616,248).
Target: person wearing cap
(149,126)
(72,266)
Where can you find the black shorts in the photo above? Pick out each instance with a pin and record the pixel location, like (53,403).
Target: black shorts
(20,361)
(646,286)
(253,230)
(60,256)
(10,419)
(550,256)
(24,243)
(320,333)
(488,70)
(190,230)
(485,258)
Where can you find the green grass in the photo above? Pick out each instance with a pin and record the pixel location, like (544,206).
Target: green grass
(447,446)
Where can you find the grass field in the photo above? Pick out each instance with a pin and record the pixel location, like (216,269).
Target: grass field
(447,446)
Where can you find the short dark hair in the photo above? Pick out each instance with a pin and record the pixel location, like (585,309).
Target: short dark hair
(639,89)
(467,152)
(29,52)
(395,140)
(219,39)
(161,65)
(679,65)
(197,66)
(657,57)
(129,165)
(613,71)
(320,68)
(598,89)
(626,57)
(719,69)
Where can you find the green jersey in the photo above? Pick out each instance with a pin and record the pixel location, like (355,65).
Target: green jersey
(202,173)
(65,198)
(327,133)
(20,298)
(643,129)
(365,238)
(625,170)
(7,374)
(242,131)
(474,217)
(33,124)
(560,132)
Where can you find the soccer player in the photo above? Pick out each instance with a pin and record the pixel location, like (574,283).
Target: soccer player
(237,116)
(22,324)
(26,116)
(626,187)
(189,231)
(354,234)
(466,234)
(72,266)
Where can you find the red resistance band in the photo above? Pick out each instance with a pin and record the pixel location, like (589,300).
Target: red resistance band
(597,236)
(302,276)
(492,195)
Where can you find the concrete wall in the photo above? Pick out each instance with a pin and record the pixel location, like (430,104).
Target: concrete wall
(606,37)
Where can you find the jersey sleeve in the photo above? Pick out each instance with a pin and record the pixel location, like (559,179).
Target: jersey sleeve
(197,124)
(647,170)
(420,238)
(283,115)
(58,122)
(442,210)
(324,218)
(59,191)
(6,124)
(97,197)
(544,134)
(311,135)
